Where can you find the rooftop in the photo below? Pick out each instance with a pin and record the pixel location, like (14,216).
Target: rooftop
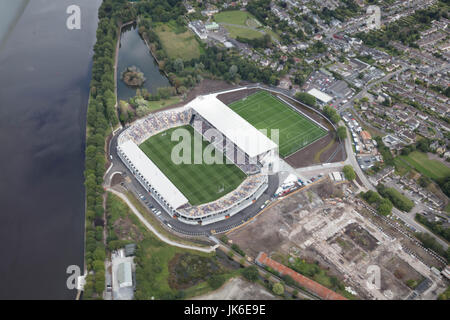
(153,175)
(320,95)
(232,126)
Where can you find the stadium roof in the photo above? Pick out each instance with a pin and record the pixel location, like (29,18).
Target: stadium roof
(233,126)
(153,175)
(320,95)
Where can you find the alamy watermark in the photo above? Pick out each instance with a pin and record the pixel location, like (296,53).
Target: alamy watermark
(73,22)
(74,273)
(189,149)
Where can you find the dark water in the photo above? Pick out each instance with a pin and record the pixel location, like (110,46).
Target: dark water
(134,52)
(44,87)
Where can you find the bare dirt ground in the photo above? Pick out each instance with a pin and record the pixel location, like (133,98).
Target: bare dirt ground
(238,289)
(231,97)
(204,87)
(117,179)
(341,238)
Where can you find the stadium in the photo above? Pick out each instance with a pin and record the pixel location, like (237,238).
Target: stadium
(197,192)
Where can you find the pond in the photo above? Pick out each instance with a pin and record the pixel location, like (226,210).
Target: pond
(134,52)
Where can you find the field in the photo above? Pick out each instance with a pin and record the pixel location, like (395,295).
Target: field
(239,23)
(265,111)
(177,42)
(420,162)
(156,105)
(238,17)
(237,31)
(200,183)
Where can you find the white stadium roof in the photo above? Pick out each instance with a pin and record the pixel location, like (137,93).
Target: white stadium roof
(320,95)
(168,191)
(233,126)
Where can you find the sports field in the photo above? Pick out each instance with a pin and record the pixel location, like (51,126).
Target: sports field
(264,111)
(420,162)
(239,24)
(177,42)
(200,183)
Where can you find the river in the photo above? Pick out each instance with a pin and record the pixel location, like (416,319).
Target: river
(134,52)
(45,71)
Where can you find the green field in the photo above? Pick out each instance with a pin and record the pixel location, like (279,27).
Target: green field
(177,42)
(420,162)
(265,111)
(242,24)
(239,17)
(200,183)
(236,31)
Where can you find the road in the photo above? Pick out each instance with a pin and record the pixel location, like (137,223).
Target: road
(152,229)
(363,92)
(408,218)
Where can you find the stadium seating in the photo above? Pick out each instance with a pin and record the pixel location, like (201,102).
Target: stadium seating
(154,123)
(229,201)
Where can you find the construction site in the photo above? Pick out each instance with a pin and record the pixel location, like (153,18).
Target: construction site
(327,226)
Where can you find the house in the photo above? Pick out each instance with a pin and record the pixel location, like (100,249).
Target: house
(124,275)
(365,136)
(413,124)
(408,135)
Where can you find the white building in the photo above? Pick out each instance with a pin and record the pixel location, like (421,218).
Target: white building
(374,17)
(124,275)
(321,96)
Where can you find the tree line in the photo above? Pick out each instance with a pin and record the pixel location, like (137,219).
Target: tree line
(101,117)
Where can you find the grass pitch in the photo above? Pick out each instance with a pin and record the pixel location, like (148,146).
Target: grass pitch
(420,162)
(178,44)
(239,24)
(200,183)
(264,111)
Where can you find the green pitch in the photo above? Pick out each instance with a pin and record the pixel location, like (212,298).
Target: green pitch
(265,111)
(200,183)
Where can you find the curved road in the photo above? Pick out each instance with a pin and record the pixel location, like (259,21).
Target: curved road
(152,229)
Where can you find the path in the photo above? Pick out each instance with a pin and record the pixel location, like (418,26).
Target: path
(152,229)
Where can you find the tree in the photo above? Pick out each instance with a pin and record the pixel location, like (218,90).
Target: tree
(424,181)
(216,281)
(331,114)
(385,207)
(423,145)
(233,71)
(306,98)
(342,132)
(349,172)
(398,200)
(251,273)
(278,289)
(178,65)
(288,280)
